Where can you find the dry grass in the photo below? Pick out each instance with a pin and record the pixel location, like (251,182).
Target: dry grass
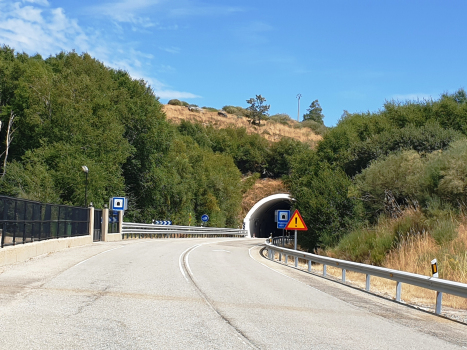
(261,189)
(270,130)
(414,255)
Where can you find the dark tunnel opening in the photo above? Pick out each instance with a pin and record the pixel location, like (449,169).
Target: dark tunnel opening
(262,221)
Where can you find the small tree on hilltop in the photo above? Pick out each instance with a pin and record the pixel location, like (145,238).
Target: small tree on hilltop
(258,110)
(315,112)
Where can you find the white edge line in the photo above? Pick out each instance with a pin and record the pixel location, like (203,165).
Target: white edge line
(180,263)
(186,258)
(105,251)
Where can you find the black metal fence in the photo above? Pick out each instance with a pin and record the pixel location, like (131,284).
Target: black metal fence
(97,233)
(23,221)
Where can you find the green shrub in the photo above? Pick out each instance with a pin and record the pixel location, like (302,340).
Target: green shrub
(397,175)
(445,231)
(211,109)
(369,246)
(281,118)
(185,104)
(424,139)
(238,111)
(175,102)
(318,128)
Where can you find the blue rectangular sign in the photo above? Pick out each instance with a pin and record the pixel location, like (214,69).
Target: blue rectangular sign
(281,224)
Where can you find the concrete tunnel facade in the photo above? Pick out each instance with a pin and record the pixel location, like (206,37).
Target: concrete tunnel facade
(259,222)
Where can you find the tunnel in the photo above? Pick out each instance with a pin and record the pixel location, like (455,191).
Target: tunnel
(259,222)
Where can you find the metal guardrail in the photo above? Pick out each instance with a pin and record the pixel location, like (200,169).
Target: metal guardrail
(439,285)
(135,230)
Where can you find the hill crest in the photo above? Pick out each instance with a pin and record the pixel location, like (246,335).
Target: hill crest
(270,130)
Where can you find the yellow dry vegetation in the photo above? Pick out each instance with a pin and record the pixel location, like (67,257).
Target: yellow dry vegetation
(261,189)
(415,255)
(271,131)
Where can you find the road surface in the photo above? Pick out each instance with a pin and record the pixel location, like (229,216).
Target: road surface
(198,294)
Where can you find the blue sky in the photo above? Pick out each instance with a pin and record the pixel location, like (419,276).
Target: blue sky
(350,55)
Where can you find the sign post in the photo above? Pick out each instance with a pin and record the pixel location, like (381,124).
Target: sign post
(205,218)
(298,224)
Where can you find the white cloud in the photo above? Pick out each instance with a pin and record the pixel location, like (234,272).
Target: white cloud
(127,11)
(190,11)
(38,2)
(48,31)
(171,49)
(44,31)
(170,94)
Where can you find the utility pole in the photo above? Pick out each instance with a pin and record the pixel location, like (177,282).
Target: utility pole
(298,114)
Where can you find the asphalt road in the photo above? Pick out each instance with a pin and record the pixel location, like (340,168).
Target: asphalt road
(198,294)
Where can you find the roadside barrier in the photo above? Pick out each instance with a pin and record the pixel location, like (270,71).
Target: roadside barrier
(135,230)
(439,285)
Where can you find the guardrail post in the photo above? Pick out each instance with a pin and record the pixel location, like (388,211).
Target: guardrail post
(296,262)
(309,265)
(398,291)
(367,287)
(439,301)
(343,275)
(324,269)
(286,259)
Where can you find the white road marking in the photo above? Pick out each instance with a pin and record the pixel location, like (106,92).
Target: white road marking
(180,263)
(180,258)
(96,255)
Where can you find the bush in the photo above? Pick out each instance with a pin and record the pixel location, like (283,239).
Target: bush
(238,111)
(211,109)
(281,118)
(175,102)
(318,128)
(425,139)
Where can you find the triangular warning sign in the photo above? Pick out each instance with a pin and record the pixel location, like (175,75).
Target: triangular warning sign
(296,222)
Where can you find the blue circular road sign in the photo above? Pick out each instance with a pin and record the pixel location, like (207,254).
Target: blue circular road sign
(205,218)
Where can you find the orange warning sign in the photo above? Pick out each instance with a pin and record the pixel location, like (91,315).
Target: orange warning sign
(296,222)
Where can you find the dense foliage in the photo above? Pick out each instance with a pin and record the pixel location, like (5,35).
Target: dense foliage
(408,155)
(70,110)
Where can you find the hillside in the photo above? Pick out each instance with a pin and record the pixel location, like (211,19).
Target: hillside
(271,131)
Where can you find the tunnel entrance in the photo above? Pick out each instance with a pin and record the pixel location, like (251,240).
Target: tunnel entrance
(259,222)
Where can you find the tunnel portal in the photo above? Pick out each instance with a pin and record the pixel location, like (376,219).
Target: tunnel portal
(259,222)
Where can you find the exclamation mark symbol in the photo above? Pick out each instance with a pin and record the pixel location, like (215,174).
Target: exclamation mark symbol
(296,221)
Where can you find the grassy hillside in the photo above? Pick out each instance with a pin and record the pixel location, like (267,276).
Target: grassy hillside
(270,130)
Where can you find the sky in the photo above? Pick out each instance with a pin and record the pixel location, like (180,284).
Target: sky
(348,55)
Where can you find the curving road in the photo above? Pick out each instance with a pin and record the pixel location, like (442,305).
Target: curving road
(198,294)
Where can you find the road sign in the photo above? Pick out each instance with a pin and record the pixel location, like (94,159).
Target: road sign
(205,218)
(283,217)
(162,222)
(281,224)
(118,204)
(296,222)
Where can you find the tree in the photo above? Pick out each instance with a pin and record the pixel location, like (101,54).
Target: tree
(258,110)
(315,112)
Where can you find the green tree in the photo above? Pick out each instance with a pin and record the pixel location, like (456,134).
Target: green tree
(315,112)
(258,110)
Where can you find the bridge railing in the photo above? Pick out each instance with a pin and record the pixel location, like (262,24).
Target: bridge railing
(135,230)
(437,284)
